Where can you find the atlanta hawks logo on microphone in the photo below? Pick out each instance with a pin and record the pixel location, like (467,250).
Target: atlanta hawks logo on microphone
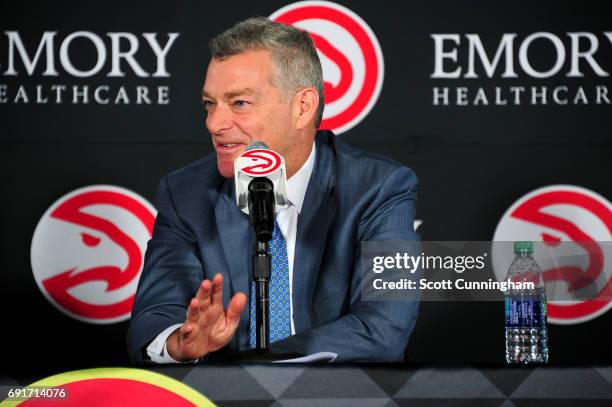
(565,213)
(87,252)
(259,162)
(350,55)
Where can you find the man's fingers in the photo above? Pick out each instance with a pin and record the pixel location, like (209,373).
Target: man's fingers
(236,306)
(204,290)
(217,290)
(203,295)
(193,310)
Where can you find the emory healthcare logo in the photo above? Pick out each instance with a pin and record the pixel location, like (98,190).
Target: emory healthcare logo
(88,249)
(538,64)
(564,213)
(351,59)
(259,162)
(71,79)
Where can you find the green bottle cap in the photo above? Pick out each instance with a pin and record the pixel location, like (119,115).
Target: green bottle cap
(523,246)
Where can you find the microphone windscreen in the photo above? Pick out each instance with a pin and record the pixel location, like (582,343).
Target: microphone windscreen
(257,145)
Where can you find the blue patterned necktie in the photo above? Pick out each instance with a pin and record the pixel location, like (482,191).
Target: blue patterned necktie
(280,322)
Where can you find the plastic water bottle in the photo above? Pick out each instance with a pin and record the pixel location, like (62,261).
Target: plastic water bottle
(526,334)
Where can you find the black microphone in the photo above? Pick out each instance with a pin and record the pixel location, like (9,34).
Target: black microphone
(262,208)
(259,174)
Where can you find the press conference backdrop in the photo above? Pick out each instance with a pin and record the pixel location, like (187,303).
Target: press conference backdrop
(492,104)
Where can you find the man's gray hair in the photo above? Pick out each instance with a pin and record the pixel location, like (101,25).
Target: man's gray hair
(293,53)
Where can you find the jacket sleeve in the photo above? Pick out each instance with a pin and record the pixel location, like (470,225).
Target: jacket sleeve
(372,331)
(171,275)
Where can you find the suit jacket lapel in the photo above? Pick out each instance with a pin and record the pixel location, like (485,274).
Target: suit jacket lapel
(237,238)
(314,221)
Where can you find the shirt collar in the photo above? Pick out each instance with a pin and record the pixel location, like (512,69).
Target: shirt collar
(297,184)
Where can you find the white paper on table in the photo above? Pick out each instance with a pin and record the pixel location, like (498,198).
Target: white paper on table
(314,358)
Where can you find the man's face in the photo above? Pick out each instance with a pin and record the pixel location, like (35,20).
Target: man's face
(244,105)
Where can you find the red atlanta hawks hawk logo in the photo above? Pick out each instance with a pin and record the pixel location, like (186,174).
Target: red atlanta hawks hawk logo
(350,55)
(565,213)
(259,162)
(87,252)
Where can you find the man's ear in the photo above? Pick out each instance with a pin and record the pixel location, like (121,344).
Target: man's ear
(305,106)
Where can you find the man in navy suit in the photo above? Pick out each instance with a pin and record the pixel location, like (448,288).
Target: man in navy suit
(264,83)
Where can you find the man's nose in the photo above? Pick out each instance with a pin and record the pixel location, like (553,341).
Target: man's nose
(218,120)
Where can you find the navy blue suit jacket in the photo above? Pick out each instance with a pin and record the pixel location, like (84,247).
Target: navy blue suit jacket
(352,196)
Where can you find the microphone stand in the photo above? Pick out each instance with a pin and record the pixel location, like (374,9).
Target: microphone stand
(262,265)
(262,210)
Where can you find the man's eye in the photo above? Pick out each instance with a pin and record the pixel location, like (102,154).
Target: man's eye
(241,103)
(207,104)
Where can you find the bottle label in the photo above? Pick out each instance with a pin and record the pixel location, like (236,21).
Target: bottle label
(525,312)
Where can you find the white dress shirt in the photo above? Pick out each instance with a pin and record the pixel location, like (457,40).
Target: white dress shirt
(287,218)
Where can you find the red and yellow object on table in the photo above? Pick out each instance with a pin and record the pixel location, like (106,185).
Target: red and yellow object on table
(110,387)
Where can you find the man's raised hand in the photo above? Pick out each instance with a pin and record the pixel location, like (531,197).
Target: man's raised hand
(208,326)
